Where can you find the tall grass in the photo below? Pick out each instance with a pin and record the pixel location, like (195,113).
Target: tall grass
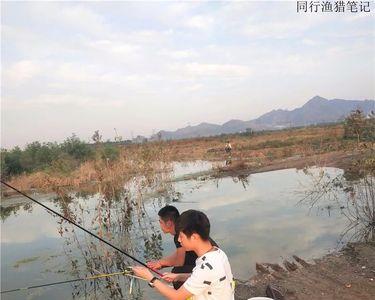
(144,160)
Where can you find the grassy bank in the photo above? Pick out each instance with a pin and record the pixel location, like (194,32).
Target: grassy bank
(75,164)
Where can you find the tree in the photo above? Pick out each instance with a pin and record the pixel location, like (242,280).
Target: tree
(96,137)
(369,132)
(355,125)
(77,148)
(11,162)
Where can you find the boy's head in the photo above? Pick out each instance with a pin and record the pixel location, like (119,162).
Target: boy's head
(168,216)
(193,226)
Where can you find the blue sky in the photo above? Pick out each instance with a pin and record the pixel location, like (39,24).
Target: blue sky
(145,66)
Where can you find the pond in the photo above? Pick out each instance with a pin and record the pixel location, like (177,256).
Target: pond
(256,218)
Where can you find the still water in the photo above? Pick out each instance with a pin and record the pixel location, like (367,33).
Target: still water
(254,219)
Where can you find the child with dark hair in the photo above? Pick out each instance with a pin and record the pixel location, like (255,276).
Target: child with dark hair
(211,278)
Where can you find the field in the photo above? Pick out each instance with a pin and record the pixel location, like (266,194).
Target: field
(262,151)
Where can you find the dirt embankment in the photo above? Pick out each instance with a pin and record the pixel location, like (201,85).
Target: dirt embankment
(348,274)
(337,159)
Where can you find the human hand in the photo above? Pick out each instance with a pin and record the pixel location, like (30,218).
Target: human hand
(155,265)
(170,277)
(142,272)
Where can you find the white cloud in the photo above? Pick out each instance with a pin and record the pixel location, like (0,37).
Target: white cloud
(74,72)
(76,17)
(195,87)
(22,71)
(179,54)
(200,22)
(73,100)
(279,28)
(114,47)
(309,42)
(142,37)
(210,70)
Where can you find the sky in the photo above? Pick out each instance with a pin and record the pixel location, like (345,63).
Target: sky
(141,67)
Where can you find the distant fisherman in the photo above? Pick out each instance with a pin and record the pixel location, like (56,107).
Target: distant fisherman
(228,150)
(212,277)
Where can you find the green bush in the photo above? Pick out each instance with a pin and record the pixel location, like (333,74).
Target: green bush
(358,126)
(64,164)
(37,156)
(77,148)
(11,162)
(110,152)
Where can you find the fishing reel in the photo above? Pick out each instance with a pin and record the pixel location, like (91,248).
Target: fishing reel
(129,271)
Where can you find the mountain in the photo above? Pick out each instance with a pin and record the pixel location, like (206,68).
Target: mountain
(317,110)
(203,129)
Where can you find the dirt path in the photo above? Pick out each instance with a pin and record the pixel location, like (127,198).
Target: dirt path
(337,159)
(348,274)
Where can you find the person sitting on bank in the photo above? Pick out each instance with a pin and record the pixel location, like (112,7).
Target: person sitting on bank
(211,278)
(181,260)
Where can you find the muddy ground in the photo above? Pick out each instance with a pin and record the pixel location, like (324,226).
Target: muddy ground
(337,159)
(348,274)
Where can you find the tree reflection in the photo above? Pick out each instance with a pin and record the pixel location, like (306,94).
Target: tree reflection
(353,193)
(242,178)
(118,214)
(8,210)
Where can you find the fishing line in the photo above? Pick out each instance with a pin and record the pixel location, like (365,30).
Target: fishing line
(82,228)
(127,272)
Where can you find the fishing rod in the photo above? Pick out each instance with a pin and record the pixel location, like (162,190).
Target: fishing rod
(82,228)
(127,272)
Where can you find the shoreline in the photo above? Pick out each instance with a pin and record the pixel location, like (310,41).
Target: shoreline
(345,274)
(337,159)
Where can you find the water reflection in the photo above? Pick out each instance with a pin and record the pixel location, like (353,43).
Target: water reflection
(254,218)
(7,211)
(115,212)
(119,216)
(353,193)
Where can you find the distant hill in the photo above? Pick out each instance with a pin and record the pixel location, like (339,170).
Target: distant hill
(317,110)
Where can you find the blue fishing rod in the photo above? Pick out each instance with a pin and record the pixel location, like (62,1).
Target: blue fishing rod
(82,228)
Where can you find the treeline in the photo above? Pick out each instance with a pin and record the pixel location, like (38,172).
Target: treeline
(60,157)
(65,157)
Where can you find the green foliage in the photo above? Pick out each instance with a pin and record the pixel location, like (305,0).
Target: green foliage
(110,152)
(77,148)
(11,162)
(36,156)
(96,137)
(64,164)
(369,130)
(153,247)
(360,127)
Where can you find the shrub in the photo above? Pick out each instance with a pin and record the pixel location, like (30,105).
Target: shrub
(77,148)
(110,152)
(358,126)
